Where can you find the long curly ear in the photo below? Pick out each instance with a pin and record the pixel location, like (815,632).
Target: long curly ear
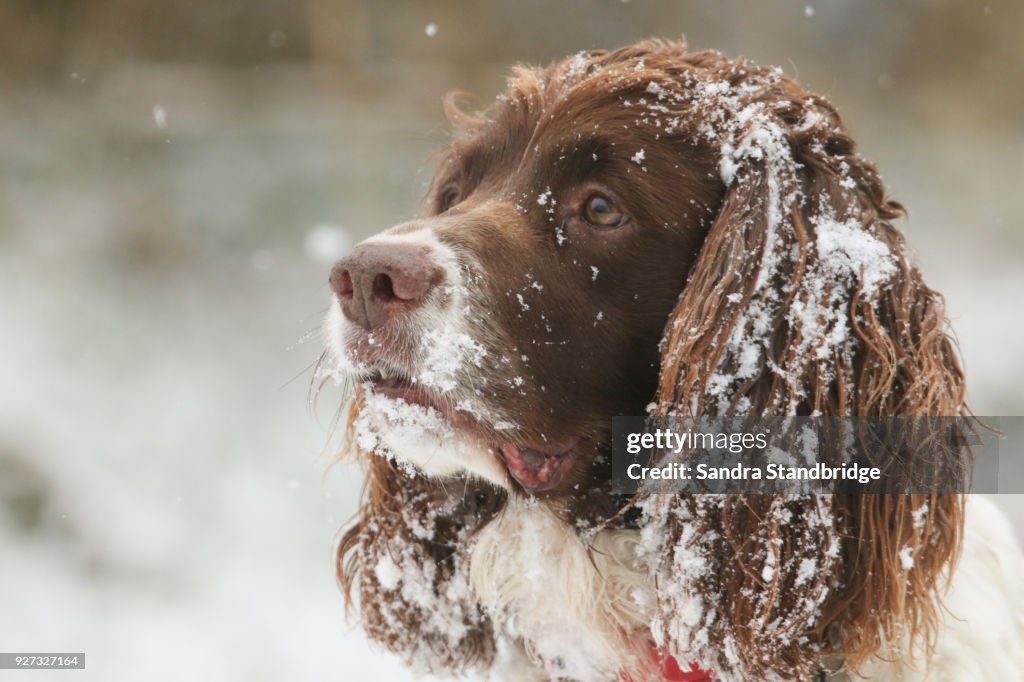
(801,302)
(406,554)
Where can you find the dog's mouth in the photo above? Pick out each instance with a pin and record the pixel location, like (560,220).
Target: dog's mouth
(536,465)
(397,386)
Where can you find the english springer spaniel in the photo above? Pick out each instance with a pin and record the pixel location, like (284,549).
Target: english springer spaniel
(651,231)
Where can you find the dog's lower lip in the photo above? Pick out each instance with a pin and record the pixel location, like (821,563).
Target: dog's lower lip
(392,382)
(402,389)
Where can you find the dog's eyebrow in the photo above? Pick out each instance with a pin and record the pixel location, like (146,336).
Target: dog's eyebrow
(470,163)
(579,158)
(575,155)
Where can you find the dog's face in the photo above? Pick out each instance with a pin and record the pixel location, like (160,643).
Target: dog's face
(526,309)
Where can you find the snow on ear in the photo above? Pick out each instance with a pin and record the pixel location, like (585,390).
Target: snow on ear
(801,301)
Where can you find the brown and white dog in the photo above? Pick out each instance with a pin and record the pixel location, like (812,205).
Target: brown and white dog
(651,230)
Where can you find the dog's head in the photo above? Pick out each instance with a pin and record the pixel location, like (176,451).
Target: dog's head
(526,308)
(656,230)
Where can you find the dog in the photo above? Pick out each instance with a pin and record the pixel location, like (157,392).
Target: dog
(656,231)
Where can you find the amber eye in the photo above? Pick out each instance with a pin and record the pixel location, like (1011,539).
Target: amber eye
(602,213)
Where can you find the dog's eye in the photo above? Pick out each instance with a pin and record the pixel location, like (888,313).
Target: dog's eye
(602,213)
(448,197)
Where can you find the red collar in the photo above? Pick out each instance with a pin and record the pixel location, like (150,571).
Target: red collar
(671,671)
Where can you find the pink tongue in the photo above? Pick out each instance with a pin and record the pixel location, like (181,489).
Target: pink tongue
(534,468)
(532,459)
(526,464)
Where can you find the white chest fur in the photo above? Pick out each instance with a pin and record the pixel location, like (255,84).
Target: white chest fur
(581,609)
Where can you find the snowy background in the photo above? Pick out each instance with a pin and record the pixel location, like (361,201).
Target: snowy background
(176,177)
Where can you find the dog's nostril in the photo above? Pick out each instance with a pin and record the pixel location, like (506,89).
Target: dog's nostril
(341,284)
(384,288)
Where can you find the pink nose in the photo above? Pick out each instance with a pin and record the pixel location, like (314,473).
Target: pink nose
(377,283)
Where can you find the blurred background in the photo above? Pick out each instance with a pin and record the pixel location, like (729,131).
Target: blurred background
(176,177)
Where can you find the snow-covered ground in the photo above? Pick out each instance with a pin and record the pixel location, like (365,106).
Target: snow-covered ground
(166,504)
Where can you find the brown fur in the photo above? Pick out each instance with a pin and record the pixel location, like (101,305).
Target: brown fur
(864,601)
